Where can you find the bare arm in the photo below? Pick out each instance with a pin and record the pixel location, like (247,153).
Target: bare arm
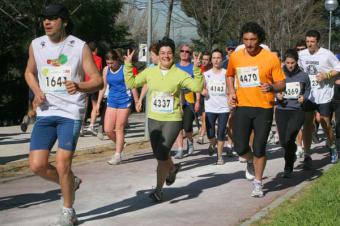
(31,79)
(102,91)
(231,91)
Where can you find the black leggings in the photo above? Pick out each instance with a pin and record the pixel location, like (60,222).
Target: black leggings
(188,118)
(210,121)
(289,123)
(163,135)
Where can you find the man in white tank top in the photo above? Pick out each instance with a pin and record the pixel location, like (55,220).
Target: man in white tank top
(55,73)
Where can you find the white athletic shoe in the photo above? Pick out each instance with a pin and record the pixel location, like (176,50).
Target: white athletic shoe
(115,160)
(257,190)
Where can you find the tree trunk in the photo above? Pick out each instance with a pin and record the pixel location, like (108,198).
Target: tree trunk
(168,20)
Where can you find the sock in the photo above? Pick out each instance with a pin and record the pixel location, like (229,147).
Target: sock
(70,210)
(257,181)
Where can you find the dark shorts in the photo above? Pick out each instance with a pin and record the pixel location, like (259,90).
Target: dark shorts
(188,118)
(325,110)
(247,119)
(163,135)
(48,129)
(93,96)
(210,121)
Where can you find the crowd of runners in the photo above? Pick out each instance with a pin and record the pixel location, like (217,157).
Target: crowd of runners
(235,97)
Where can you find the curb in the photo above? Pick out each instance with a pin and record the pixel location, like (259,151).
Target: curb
(264,211)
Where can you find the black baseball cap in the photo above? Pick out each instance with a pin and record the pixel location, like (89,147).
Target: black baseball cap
(55,10)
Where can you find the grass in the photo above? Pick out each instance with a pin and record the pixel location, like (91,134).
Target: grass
(318,204)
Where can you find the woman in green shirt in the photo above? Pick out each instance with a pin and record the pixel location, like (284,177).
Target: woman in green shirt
(165,82)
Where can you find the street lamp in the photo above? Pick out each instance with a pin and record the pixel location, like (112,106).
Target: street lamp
(330,6)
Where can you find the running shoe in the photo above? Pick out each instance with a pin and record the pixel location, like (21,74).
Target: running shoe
(220,161)
(257,190)
(211,149)
(156,195)
(179,154)
(299,152)
(307,163)
(334,155)
(115,160)
(91,130)
(190,146)
(250,172)
(24,124)
(172,175)
(200,140)
(67,218)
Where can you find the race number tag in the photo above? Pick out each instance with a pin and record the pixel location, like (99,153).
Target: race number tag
(54,78)
(314,82)
(248,76)
(162,102)
(216,88)
(293,90)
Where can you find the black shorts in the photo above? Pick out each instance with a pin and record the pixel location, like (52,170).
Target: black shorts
(325,110)
(93,96)
(188,118)
(247,119)
(163,135)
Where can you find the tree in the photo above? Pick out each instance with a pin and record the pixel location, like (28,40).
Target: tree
(20,23)
(210,17)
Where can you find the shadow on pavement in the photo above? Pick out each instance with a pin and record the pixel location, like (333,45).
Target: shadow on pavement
(299,175)
(29,199)
(141,200)
(7,159)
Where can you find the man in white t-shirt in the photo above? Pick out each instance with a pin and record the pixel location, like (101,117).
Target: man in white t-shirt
(55,73)
(321,66)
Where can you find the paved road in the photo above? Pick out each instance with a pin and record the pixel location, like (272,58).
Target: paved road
(203,194)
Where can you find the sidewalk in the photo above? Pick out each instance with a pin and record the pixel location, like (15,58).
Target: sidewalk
(14,144)
(203,194)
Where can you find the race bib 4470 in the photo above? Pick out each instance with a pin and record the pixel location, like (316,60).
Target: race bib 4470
(54,78)
(162,102)
(248,76)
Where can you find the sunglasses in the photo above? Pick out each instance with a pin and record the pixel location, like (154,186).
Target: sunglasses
(231,49)
(184,51)
(301,48)
(50,18)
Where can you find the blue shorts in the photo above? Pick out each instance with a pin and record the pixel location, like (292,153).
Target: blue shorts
(48,129)
(119,105)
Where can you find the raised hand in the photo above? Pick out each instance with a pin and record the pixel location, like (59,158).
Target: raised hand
(128,57)
(197,61)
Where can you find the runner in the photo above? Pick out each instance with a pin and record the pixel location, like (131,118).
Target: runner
(164,114)
(300,45)
(205,66)
(216,105)
(118,103)
(58,60)
(289,114)
(92,97)
(258,75)
(321,65)
(190,104)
